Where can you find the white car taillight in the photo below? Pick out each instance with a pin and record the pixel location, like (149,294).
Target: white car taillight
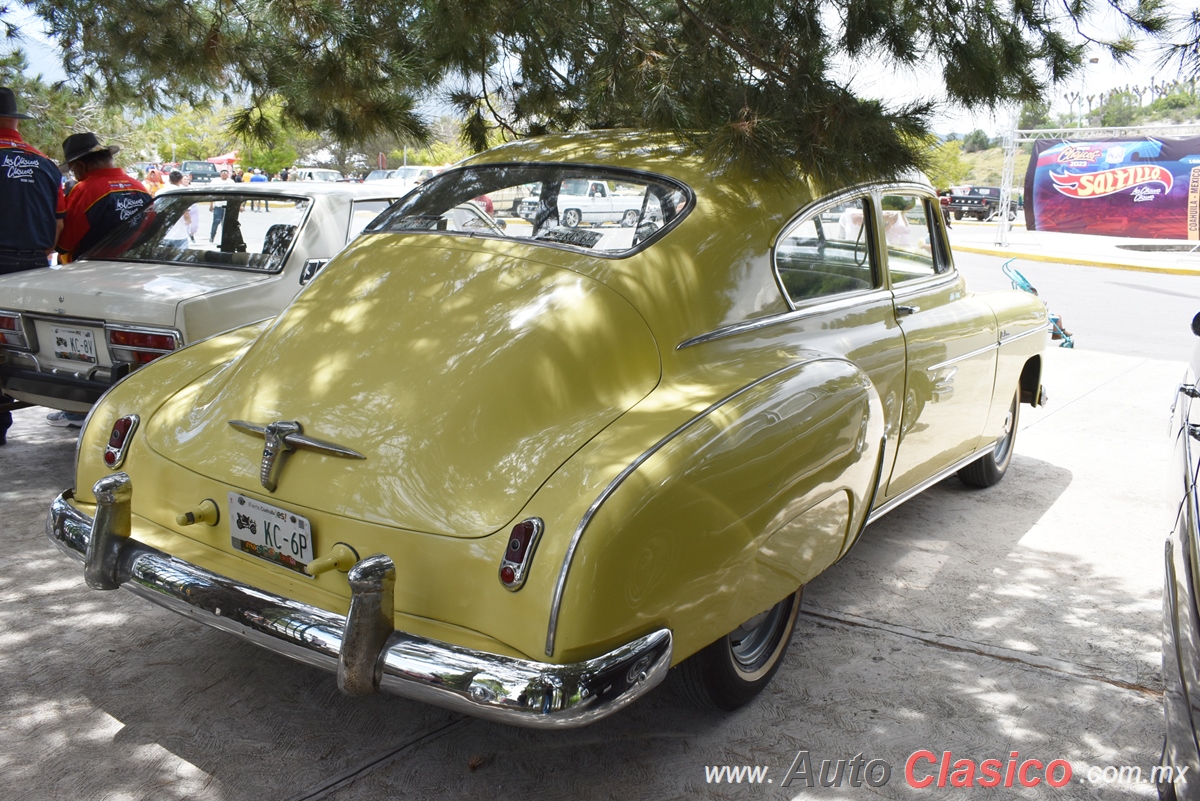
(118,440)
(140,346)
(12,331)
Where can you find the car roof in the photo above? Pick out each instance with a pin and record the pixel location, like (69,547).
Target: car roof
(664,153)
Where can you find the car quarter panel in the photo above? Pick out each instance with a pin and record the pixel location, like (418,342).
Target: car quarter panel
(751,496)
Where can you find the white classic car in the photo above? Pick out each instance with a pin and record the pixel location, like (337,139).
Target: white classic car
(199,262)
(592,201)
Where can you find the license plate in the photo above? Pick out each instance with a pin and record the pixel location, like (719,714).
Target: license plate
(75,344)
(270,533)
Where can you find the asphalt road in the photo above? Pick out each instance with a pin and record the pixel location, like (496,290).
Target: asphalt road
(1024,618)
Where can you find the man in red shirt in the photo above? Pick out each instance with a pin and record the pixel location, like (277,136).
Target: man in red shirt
(104,198)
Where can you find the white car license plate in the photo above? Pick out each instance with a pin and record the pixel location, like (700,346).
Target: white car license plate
(75,344)
(270,533)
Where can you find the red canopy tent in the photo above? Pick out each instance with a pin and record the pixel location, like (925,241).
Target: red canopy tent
(228,158)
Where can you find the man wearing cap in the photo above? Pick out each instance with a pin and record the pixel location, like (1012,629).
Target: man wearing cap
(104,198)
(31,197)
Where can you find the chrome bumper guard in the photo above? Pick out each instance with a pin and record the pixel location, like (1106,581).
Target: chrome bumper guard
(363,648)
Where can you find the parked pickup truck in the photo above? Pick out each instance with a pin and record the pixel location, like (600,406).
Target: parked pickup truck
(980,202)
(589,201)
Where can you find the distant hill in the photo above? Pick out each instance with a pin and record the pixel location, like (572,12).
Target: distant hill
(987,166)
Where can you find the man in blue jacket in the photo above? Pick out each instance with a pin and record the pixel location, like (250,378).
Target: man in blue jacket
(32,206)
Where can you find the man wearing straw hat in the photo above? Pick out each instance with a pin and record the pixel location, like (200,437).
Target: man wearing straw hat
(31,196)
(104,198)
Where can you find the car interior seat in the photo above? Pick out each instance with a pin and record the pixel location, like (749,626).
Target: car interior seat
(278,238)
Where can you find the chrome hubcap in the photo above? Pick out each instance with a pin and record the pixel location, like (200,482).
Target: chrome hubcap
(753,642)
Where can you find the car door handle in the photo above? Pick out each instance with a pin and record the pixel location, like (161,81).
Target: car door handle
(907,311)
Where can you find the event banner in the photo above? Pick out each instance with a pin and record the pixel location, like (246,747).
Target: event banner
(1115,187)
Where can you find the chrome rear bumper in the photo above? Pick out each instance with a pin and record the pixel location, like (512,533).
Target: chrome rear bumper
(363,648)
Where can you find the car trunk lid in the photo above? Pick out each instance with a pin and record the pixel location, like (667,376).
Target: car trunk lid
(114,291)
(465,379)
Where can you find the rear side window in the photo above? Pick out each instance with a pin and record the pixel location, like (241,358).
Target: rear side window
(362,213)
(909,238)
(827,253)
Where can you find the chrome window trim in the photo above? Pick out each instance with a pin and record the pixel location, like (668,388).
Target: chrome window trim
(561,584)
(933,211)
(809,310)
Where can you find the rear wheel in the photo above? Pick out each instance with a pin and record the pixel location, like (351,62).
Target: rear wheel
(989,469)
(730,672)
(629,218)
(571,218)
(958,215)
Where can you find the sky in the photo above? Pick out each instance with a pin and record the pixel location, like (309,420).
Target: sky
(1102,76)
(874,82)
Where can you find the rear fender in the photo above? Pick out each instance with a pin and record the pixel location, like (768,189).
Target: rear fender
(733,511)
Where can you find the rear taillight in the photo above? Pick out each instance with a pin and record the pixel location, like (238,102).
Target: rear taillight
(12,332)
(118,440)
(518,553)
(140,346)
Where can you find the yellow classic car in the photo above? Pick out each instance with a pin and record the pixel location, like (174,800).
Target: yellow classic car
(522,468)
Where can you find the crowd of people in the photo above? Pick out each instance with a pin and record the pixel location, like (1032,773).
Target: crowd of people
(157,176)
(50,214)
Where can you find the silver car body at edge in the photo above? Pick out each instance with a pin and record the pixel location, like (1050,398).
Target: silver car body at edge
(1181,596)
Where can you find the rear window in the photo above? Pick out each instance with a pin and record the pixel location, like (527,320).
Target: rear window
(198,166)
(603,211)
(209,230)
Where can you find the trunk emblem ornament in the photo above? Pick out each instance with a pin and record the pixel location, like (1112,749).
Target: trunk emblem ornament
(283,437)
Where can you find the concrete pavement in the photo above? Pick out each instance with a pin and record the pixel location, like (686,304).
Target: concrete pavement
(1025,618)
(1020,618)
